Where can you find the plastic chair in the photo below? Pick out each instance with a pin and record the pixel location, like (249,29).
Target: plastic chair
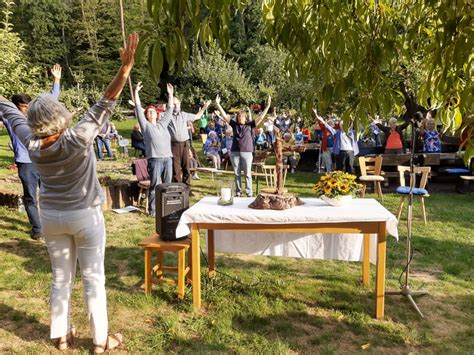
(419,191)
(371,171)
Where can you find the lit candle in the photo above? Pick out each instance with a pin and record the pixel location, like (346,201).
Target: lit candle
(226,193)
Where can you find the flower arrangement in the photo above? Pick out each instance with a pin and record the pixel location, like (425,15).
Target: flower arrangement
(335,184)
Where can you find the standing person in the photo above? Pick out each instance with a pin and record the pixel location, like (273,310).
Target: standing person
(203,123)
(29,177)
(71,197)
(394,143)
(345,146)
(327,143)
(103,139)
(178,129)
(157,143)
(269,124)
(242,144)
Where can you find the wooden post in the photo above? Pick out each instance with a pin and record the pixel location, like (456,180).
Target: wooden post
(147,270)
(380,274)
(366,261)
(196,267)
(211,253)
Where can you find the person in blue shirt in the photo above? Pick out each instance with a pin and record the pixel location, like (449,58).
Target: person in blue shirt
(30,179)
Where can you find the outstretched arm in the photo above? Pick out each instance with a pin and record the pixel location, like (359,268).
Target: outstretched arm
(221,110)
(127,56)
(264,112)
(138,106)
(202,110)
(89,125)
(320,119)
(56,72)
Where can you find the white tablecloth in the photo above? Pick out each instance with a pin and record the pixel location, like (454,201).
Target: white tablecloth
(315,246)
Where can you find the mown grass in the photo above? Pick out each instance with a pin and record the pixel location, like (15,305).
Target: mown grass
(257,304)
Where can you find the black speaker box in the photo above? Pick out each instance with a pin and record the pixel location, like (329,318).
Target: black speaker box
(171,201)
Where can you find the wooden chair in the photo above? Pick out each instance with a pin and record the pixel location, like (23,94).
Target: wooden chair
(155,273)
(371,171)
(270,178)
(419,191)
(259,159)
(141,172)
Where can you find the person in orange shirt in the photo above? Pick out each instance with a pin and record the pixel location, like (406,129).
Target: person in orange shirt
(394,143)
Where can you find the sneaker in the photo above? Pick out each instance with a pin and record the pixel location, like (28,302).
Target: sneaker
(292,171)
(37,236)
(196,177)
(238,194)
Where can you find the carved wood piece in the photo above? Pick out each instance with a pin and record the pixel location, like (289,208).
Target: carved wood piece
(265,201)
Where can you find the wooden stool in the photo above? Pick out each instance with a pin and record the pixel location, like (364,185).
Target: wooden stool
(155,274)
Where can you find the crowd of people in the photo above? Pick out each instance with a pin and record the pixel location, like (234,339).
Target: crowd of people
(61,160)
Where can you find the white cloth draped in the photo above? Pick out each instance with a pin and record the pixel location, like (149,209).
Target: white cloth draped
(347,247)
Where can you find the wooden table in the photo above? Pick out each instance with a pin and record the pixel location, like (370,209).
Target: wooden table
(362,227)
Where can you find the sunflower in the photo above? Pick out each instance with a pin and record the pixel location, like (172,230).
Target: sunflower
(344,188)
(327,189)
(332,183)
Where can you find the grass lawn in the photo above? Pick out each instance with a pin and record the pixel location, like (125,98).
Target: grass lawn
(260,304)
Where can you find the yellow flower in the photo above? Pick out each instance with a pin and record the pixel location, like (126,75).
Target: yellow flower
(327,189)
(332,182)
(344,188)
(324,177)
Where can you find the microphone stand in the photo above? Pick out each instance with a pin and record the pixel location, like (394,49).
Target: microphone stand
(405,288)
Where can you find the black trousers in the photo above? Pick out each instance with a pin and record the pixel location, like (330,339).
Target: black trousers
(181,172)
(345,161)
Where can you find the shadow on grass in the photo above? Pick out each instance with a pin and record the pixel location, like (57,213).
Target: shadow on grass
(23,325)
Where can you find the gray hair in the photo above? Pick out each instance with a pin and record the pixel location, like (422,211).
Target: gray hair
(47,116)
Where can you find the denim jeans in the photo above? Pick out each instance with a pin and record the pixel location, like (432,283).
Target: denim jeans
(100,146)
(73,236)
(326,158)
(156,168)
(242,161)
(30,180)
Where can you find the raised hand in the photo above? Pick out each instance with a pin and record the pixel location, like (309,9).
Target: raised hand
(206,104)
(170,89)
(138,87)
(218,100)
(269,101)
(127,54)
(56,72)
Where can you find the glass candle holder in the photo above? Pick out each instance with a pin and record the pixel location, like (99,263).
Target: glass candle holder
(225,191)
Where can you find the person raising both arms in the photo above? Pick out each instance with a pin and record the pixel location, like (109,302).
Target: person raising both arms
(70,200)
(157,143)
(27,172)
(178,129)
(242,145)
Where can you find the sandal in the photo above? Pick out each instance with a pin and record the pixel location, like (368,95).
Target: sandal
(117,337)
(68,342)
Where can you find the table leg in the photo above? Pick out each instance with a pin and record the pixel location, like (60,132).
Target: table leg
(366,261)
(211,253)
(196,271)
(147,270)
(380,274)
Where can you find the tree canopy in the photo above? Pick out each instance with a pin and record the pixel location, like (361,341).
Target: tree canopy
(360,51)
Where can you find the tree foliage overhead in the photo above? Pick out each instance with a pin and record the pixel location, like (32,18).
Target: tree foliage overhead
(352,50)
(209,74)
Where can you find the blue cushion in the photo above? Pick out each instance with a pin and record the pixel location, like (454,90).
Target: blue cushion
(458,171)
(405,190)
